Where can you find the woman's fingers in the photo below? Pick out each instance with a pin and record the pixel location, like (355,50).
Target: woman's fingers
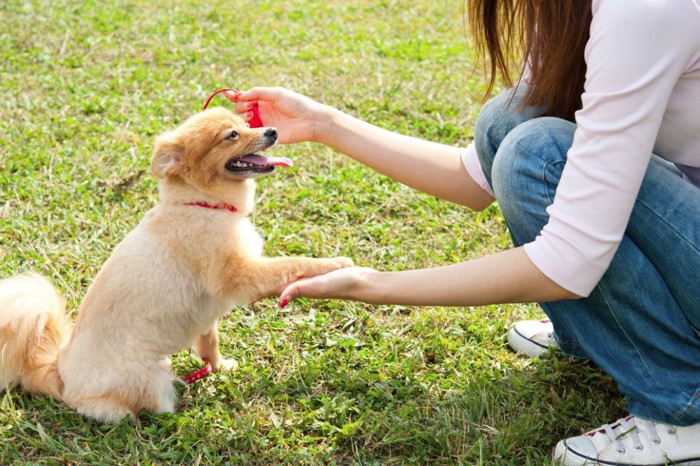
(292,292)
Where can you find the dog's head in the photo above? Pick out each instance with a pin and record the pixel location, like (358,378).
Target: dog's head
(214,149)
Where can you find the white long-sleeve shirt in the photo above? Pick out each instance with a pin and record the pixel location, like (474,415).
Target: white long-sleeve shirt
(641,95)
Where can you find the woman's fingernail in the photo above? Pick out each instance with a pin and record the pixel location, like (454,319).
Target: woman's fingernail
(284,303)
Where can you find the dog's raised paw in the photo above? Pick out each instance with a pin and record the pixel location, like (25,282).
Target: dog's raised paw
(344,262)
(228,365)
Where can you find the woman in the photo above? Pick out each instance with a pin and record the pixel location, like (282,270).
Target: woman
(594,159)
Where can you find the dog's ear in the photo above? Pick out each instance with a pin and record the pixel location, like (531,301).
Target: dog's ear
(167,154)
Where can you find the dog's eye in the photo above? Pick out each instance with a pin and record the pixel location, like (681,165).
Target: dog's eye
(233,136)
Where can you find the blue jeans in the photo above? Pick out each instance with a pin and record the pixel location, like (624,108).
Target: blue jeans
(638,325)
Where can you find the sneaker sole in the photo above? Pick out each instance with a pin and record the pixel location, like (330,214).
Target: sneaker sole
(576,458)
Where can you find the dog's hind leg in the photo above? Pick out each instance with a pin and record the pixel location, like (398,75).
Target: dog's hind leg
(147,387)
(105,409)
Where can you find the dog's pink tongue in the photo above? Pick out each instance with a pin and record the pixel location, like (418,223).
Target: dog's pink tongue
(261,160)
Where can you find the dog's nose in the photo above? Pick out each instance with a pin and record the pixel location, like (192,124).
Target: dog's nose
(271,133)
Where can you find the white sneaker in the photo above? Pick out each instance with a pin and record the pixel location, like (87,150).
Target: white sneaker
(532,337)
(632,441)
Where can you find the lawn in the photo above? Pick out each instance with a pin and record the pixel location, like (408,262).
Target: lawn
(87,85)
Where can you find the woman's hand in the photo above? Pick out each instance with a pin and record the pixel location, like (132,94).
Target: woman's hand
(341,284)
(295,116)
(505,277)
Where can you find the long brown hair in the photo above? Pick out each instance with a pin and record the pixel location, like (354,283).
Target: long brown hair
(551,34)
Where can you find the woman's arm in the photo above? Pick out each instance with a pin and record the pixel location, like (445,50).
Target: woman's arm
(432,168)
(435,169)
(505,277)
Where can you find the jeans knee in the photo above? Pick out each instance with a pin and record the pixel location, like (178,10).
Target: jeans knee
(526,173)
(527,151)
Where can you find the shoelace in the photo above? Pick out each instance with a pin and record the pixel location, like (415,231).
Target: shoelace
(630,426)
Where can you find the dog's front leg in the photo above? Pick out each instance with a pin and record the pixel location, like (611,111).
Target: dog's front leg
(207,347)
(254,279)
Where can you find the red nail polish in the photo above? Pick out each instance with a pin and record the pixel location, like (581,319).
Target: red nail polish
(284,303)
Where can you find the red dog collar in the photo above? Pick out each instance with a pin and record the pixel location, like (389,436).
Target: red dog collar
(229,207)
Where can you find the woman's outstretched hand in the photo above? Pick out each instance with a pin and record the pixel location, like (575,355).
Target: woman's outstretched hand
(295,116)
(340,284)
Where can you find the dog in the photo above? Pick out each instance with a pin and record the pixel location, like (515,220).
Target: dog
(164,288)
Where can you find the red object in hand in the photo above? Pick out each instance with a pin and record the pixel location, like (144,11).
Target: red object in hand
(254,122)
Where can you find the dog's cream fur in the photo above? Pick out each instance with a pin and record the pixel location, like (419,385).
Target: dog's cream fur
(162,290)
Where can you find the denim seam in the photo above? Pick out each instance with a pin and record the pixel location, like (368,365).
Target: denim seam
(692,245)
(622,329)
(690,405)
(545,166)
(671,226)
(563,150)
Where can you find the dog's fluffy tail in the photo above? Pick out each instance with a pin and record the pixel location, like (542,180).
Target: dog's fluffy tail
(33,327)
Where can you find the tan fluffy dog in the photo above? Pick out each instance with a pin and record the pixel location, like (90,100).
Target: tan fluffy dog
(165,286)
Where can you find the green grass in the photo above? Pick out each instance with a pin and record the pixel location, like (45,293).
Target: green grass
(86,87)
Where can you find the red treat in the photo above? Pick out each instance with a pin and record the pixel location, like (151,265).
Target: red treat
(254,122)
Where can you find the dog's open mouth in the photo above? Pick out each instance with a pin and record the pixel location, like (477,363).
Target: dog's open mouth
(255,165)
